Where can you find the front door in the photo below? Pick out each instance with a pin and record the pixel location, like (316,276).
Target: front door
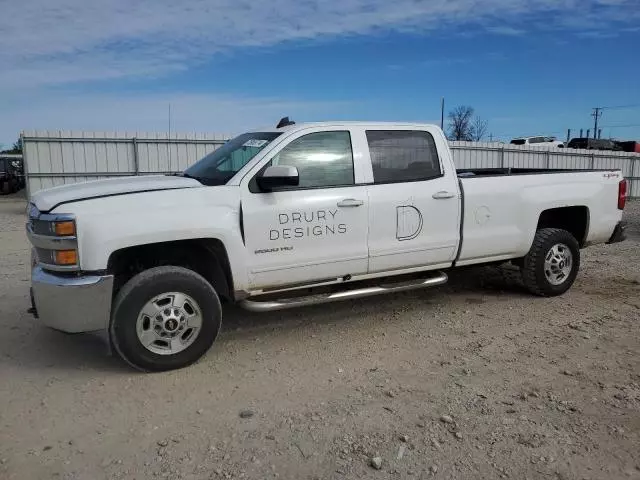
(316,231)
(414,206)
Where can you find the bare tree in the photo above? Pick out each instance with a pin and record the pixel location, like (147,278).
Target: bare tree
(460,123)
(479,128)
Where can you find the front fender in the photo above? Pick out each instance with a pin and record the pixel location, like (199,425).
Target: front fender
(109,224)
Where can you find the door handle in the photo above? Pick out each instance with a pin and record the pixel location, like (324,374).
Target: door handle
(350,202)
(443,195)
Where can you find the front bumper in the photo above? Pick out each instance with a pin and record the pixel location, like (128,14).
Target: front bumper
(619,233)
(72,304)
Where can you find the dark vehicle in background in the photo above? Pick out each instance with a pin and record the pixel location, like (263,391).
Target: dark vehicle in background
(593,144)
(629,146)
(11,173)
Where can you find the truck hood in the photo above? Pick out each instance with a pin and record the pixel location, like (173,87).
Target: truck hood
(48,199)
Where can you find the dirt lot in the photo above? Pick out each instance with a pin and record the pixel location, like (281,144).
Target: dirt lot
(473,380)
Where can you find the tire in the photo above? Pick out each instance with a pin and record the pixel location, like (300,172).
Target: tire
(537,277)
(128,322)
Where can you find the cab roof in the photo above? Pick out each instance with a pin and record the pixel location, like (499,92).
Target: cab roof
(304,125)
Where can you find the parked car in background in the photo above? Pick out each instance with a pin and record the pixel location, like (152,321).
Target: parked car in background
(11,173)
(538,142)
(593,144)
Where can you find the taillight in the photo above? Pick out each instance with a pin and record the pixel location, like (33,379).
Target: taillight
(622,194)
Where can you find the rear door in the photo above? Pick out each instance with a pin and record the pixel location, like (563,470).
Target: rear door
(316,231)
(414,201)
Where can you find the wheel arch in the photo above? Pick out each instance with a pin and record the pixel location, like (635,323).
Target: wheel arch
(206,256)
(574,219)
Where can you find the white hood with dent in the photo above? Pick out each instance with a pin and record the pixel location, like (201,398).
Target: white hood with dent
(45,200)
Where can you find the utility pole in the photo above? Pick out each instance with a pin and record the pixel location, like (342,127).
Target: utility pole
(169,137)
(597,113)
(491,137)
(442,113)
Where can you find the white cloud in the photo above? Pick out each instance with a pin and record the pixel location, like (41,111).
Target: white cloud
(61,41)
(45,43)
(505,30)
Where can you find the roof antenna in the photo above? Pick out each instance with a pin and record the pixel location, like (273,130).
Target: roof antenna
(285,122)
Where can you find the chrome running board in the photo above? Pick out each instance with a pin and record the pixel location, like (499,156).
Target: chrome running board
(281,304)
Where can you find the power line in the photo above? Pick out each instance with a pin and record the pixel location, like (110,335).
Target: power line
(597,113)
(621,126)
(616,107)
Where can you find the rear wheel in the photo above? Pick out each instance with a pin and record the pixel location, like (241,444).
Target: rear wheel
(552,264)
(165,318)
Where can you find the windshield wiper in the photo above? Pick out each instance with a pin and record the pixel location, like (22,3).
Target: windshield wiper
(186,175)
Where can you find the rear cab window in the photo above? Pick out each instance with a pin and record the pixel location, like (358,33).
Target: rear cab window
(403,156)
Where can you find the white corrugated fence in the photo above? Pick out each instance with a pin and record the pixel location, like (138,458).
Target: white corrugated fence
(57,158)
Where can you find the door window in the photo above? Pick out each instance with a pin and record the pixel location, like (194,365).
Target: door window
(323,159)
(403,156)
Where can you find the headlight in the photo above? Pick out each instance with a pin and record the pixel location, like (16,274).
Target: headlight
(53,228)
(61,258)
(54,237)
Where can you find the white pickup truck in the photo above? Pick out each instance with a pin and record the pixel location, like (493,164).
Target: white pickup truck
(297,215)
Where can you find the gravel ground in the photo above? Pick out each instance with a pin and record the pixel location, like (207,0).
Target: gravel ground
(476,379)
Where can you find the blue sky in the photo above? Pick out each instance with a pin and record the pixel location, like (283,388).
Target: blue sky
(527,66)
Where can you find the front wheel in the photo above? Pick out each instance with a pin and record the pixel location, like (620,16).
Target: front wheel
(552,264)
(165,318)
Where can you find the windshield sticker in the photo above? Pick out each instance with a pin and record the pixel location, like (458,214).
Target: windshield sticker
(254,142)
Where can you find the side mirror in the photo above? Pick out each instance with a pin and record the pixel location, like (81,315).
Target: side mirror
(278,176)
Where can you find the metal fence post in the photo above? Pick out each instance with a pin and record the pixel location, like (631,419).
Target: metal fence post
(548,159)
(634,180)
(502,157)
(25,168)
(593,161)
(136,166)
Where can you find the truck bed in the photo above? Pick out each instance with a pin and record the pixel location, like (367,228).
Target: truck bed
(499,217)
(496,172)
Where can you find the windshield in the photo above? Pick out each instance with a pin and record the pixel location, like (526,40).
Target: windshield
(219,166)
(518,141)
